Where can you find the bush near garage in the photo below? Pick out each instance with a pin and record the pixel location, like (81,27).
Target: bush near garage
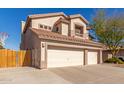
(114,60)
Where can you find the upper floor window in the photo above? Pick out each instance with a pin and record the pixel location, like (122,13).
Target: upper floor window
(40,26)
(78,30)
(49,28)
(45,27)
(57,29)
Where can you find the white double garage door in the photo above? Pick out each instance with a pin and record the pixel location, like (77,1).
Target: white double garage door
(69,57)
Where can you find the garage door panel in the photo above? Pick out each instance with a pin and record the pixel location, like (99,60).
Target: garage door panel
(92,57)
(61,58)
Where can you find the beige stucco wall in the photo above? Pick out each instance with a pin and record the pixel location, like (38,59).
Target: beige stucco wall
(36,57)
(65,29)
(31,42)
(43,63)
(78,21)
(50,21)
(22,25)
(73,45)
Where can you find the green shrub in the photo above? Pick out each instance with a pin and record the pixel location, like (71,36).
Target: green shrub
(114,60)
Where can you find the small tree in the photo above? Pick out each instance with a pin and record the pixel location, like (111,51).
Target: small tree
(3,37)
(1,47)
(109,30)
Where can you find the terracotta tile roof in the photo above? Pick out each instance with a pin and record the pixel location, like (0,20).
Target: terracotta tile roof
(55,36)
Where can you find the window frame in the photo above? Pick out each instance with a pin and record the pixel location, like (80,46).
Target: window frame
(40,26)
(45,27)
(81,29)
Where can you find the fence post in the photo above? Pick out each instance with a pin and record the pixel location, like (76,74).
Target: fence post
(16,58)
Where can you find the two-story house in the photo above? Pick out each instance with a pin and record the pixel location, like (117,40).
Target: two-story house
(58,40)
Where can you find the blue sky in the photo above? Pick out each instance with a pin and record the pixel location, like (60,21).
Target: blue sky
(11,18)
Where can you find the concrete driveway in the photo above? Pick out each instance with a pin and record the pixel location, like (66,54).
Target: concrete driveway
(76,75)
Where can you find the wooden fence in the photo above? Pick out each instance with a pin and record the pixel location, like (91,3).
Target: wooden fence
(11,58)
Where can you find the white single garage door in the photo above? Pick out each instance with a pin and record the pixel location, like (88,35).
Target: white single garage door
(92,57)
(62,58)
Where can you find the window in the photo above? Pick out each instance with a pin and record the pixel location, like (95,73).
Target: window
(57,29)
(40,26)
(78,30)
(49,28)
(45,27)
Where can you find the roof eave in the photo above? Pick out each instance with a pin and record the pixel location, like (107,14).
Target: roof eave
(26,25)
(47,15)
(85,43)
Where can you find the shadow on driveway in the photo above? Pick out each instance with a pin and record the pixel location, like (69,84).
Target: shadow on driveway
(93,74)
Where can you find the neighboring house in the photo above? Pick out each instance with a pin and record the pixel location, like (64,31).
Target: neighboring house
(59,40)
(107,54)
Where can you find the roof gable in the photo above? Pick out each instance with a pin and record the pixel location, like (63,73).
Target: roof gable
(61,20)
(78,16)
